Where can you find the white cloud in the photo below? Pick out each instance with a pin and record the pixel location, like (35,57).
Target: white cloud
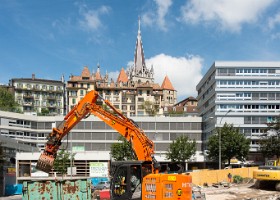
(91,18)
(149,18)
(227,14)
(113,75)
(273,21)
(183,72)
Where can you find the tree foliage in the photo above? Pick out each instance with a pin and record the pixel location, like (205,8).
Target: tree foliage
(181,149)
(270,142)
(2,154)
(233,144)
(44,112)
(62,161)
(122,150)
(2,157)
(7,101)
(150,107)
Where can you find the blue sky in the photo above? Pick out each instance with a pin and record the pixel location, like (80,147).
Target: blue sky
(181,39)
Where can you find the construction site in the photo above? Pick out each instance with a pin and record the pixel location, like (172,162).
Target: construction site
(145,178)
(88,113)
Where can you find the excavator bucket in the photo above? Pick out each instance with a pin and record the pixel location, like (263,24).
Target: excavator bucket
(45,163)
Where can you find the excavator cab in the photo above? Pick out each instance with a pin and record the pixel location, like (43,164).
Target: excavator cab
(126,179)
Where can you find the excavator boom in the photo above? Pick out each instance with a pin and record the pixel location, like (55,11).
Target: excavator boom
(141,144)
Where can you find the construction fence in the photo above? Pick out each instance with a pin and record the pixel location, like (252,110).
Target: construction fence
(202,177)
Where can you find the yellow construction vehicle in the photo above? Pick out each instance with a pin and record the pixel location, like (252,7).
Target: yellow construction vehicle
(269,173)
(139,179)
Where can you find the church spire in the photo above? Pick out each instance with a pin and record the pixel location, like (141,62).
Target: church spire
(138,72)
(139,59)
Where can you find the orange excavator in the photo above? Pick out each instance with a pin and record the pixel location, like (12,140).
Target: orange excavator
(139,180)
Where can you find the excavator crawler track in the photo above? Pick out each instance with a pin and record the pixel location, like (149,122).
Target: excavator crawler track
(45,163)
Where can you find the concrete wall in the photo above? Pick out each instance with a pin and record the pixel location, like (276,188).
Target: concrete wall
(216,176)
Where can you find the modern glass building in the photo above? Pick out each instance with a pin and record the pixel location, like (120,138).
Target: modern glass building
(246,94)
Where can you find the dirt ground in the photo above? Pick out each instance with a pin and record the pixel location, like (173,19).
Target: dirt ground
(239,191)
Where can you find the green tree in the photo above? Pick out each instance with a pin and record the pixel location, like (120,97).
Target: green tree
(122,150)
(181,149)
(270,142)
(44,112)
(62,161)
(2,157)
(150,108)
(233,144)
(7,101)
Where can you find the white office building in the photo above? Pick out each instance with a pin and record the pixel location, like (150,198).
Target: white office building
(91,139)
(245,94)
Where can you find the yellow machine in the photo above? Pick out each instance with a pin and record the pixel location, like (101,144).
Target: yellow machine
(139,180)
(268,173)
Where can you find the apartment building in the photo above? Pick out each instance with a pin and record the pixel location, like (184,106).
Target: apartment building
(186,106)
(35,95)
(245,94)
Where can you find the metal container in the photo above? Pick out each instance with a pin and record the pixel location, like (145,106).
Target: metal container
(79,189)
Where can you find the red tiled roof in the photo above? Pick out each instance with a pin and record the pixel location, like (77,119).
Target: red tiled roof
(166,84)
(98,76)
(122,77)
(85,72)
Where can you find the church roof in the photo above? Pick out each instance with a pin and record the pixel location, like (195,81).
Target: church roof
(97,74)
(85,72)
(139,59)
(166,84)
(122,77)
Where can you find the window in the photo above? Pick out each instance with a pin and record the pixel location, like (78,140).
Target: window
(239,83)
(239,94)
(271,71)
(239,71)
(73,101)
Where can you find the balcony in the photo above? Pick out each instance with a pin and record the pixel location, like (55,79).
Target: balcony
(51,97)
(49,105)
(37,88)
(28,96)
(27,104)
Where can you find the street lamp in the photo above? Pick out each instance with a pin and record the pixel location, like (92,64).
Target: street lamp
(220,148)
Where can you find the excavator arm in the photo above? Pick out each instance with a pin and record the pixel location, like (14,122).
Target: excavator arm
(141,144)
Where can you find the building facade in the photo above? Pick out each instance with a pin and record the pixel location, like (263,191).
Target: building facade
(134,92)
(36,95)
(8,150)
(91,139)
(185,107)
(245,94)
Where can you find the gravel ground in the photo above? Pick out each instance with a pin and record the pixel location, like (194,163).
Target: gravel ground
(240,192)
